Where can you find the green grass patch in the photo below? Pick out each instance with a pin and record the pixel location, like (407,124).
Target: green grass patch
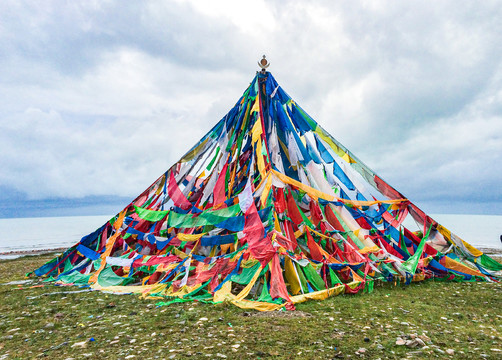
(464,319)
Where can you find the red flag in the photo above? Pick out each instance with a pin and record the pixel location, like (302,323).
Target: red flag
(315,212)
(332,219)
(280,202)
(290,234)
(176,195)
(260,246)
(313,247)
(219,195)
(293,212)
(277,285)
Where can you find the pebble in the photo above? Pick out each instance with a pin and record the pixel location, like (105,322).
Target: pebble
(59,315)
(425,338)
(81,344)
(419,341)
(415,353)
(411,343)
(203,319)
(450,351)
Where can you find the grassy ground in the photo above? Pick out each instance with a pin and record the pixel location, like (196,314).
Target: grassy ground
(462,320)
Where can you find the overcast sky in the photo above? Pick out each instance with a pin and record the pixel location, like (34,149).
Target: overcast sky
(98,98)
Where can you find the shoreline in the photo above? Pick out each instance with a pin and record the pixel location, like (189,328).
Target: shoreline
(490,251)
(18,253)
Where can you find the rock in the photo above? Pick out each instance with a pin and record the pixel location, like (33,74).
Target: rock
(400,342)
(415,353)
(450,351)
(411,343)
(81,344)
(420,342)
(425,338)
(203,319)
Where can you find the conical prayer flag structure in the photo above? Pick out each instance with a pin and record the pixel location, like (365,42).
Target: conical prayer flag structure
(265,211)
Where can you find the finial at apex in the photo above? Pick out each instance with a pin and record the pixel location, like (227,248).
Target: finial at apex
(264,64)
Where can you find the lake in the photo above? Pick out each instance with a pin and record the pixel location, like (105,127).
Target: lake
(24,234)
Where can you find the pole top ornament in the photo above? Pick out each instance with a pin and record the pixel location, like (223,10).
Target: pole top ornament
(263,64)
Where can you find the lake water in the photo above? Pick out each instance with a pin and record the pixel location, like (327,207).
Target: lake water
(26,234)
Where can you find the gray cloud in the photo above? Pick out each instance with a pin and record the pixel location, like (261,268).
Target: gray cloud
(99,98)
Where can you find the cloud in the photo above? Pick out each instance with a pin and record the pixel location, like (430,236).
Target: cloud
(100,98)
